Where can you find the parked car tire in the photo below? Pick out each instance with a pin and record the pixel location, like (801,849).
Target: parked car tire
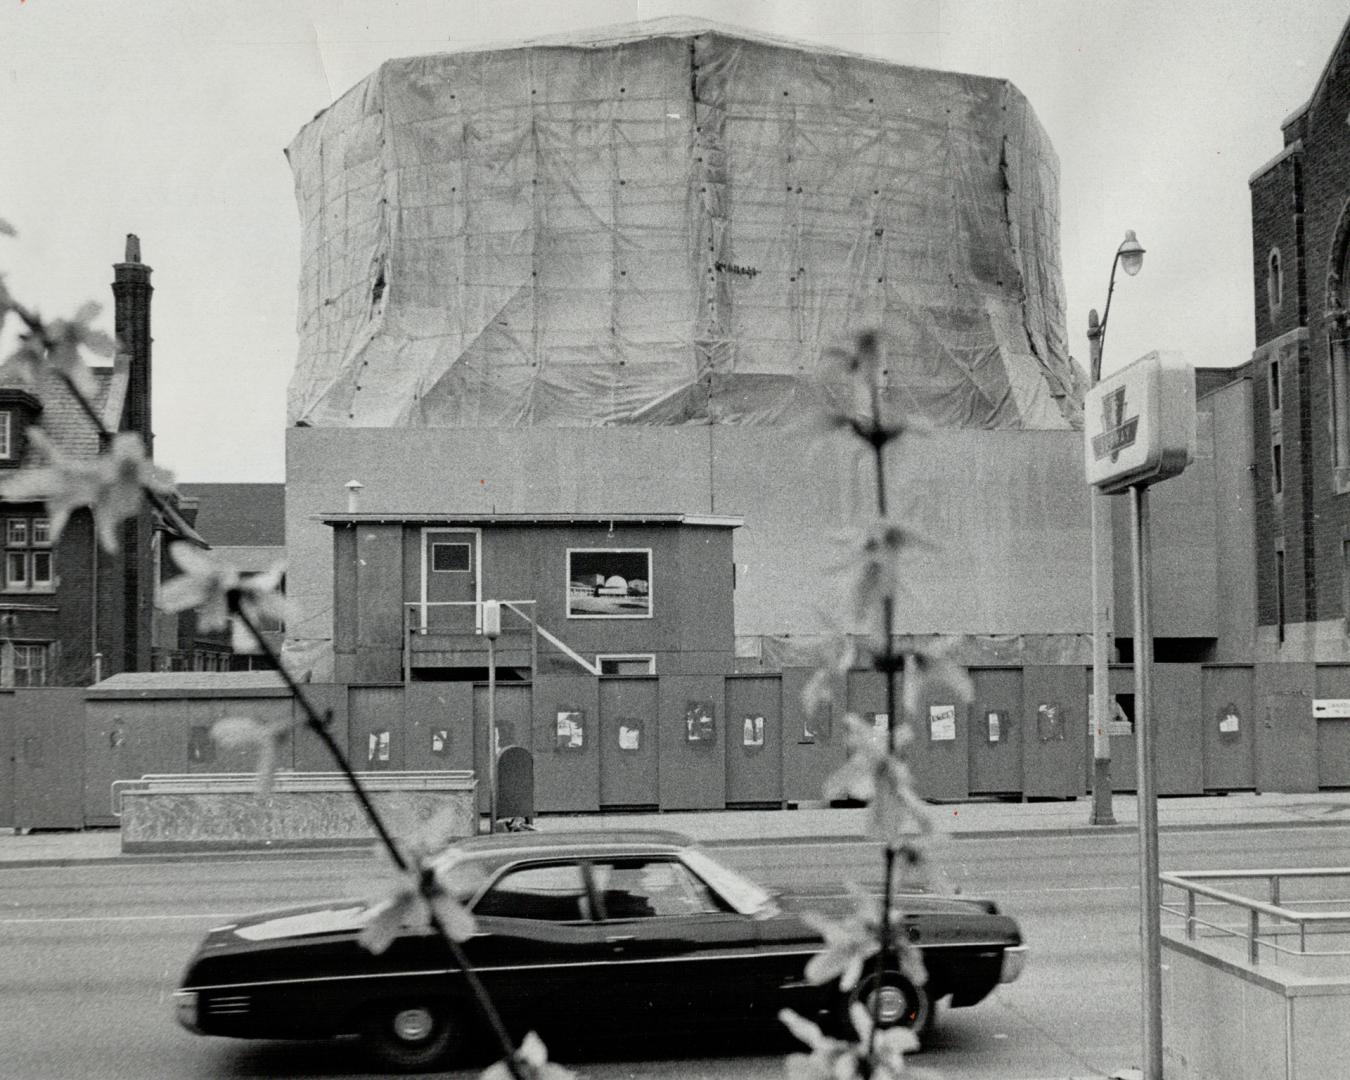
(412,1036)
(902,1003)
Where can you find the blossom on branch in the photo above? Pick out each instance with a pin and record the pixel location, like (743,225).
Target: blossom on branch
(220,593)
(834,1059)
(836,654)
(931,664)
(869,571)
(111,485)
(849,942)
(874,773)
(243,733)
(57,346)
(416,895)
(532,1063)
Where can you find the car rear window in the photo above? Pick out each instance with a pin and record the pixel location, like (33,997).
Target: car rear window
(552,893)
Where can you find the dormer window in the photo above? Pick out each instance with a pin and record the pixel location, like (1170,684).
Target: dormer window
(19,410)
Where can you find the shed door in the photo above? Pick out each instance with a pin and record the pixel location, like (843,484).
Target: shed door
(450,582)
(754,741)
(628,742)
(995,743)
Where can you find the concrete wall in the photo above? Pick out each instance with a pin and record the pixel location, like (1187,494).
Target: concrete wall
(1007,509)
(1183,516)
(1235,520)
(1224,1019)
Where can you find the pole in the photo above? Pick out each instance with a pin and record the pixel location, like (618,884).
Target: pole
(1103,585)
(492,734)
(1150,917)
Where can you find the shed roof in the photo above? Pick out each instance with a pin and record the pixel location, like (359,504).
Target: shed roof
(220,684)
(423,518)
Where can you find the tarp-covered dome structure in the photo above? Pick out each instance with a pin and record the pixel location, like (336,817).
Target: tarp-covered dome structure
(669,224)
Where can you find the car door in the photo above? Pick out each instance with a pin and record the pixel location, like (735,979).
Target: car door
(537,943)
(679,957)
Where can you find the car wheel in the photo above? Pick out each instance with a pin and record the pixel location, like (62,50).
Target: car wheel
(896,1001)
(411,1036)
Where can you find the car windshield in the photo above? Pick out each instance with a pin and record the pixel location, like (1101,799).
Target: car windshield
(740,892)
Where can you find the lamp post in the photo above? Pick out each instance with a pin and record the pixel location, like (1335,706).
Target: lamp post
(1130,258)
(492,630)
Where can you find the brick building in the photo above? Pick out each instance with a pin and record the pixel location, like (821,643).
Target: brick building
(245,524)
(70,612)
(1301,377)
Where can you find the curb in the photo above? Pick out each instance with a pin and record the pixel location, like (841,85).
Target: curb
(354,851)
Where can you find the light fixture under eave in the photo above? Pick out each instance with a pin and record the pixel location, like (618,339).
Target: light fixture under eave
(1130,253)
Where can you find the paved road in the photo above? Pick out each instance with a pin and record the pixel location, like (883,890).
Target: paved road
(90,954)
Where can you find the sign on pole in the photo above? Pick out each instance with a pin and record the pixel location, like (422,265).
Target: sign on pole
(1138,429)
(1139,423)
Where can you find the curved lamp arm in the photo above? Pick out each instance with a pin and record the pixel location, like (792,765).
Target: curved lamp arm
(1129,256)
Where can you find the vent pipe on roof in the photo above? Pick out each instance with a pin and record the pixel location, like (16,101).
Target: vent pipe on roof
(353,495)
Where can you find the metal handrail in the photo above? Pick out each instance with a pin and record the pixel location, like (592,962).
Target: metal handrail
(536,631)
(1191,883)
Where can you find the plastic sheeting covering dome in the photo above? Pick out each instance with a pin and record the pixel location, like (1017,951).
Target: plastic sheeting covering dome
(669,226)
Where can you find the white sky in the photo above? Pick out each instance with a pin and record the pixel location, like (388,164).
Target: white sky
(167,118)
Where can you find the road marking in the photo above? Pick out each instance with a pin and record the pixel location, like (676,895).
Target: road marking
(108,918)
(1066,889)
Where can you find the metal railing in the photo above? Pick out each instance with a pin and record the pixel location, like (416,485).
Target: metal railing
(1273,923)
(417,623)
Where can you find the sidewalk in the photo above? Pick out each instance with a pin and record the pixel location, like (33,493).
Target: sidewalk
(959,820)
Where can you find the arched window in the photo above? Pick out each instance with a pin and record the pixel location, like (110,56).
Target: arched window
(1338,348)
(1274,280)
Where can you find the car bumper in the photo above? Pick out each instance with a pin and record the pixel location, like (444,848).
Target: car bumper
(1014,960)
(185,1010)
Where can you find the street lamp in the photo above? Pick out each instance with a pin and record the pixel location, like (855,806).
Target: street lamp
(1130,258)
(491,628)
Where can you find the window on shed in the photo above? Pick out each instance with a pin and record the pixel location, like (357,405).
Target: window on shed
(451,558)
(636,664)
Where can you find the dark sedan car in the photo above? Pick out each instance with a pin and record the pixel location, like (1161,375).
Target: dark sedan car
(618,931)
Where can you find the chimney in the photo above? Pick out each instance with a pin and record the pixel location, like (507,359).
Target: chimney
(353,495)
(131,322)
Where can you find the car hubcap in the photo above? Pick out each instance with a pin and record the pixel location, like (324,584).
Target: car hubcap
(891,1006)
(412,1025)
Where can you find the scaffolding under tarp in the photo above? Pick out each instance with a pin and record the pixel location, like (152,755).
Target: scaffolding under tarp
(670,225)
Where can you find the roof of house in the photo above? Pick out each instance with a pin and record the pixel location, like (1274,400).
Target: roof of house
(63,419)
(239,515)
